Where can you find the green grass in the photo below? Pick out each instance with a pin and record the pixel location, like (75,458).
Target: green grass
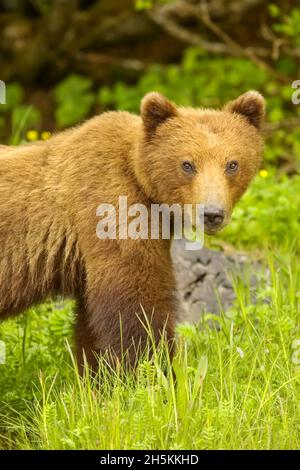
(237,384)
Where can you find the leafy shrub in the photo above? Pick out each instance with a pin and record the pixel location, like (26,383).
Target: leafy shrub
(15,116)
(267,215)
(74,100)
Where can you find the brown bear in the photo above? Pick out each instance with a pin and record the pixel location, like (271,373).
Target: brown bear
(49,193)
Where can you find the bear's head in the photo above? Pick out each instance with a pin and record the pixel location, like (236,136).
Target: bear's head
(200,156)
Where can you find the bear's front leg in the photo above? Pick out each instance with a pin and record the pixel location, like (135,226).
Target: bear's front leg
(85,342)
(122,303)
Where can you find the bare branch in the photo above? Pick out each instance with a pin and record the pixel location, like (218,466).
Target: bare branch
(106,59)
(250,54)
(169,16)
(161,17)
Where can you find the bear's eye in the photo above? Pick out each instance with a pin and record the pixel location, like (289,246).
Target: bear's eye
(188,167)
(232,167)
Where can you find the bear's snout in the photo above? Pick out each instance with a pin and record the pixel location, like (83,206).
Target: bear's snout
(213,217)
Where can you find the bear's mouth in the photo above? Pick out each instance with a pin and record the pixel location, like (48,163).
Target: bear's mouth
(212,231)
(195,235)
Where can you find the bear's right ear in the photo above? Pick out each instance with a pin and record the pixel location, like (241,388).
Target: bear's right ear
(250,105)
(156,109)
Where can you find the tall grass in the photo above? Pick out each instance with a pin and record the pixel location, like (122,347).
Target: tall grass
(234,385)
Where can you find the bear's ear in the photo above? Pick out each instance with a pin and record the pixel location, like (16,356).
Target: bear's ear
(156,109)
(251,105)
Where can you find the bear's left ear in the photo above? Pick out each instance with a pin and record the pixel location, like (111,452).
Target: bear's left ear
(251,105)
(156,109)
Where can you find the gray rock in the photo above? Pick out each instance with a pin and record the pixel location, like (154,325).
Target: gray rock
(204,279)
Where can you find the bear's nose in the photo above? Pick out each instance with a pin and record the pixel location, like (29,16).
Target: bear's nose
(213,216)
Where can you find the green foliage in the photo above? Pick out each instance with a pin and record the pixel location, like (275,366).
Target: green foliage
(23,117)
(25,346)
(208,82)
(14,96)
(267,215)
(287,25)
(74,99)
(143,4)
(18,115)
(147,4)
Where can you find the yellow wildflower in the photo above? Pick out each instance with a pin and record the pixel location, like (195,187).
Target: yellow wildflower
(263,173)
(32,135)
(45,135)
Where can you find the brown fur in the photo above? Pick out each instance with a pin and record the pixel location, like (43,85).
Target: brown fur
(49,194)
